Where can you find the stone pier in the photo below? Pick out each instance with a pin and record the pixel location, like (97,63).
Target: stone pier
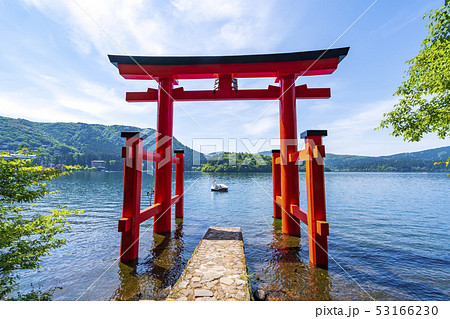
(217,269)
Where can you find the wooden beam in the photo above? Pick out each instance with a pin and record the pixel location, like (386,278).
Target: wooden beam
(300,213)
(225,93)
(298,156)
(238,70)
(151,156)
(323,228)
(279,198)
(175,199)
(124,224)
(319,151)
(149,212)
(303,92)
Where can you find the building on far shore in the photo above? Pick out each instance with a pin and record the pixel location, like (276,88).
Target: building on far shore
(21,156)
(98,164)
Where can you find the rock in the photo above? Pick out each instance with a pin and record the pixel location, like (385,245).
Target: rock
(203,293)
(183,284)
(196,285)
(210,284)
(240,282)
(212,275)
(186,292)
(226,281)
(260,295)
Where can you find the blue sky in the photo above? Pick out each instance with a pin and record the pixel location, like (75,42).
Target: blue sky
(54,65)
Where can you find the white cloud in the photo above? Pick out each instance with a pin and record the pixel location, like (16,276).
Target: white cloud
(209,10)
(108,25)
(48,78)
(364,121)
(321,106)
(87,102)
(356,134)
(180,27)
(262,127)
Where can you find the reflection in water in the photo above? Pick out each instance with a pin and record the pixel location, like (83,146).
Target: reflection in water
(287,276)
(153,277)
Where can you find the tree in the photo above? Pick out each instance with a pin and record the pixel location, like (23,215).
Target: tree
(25,236)
(425,103)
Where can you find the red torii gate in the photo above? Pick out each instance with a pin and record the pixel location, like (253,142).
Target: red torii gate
(285,68)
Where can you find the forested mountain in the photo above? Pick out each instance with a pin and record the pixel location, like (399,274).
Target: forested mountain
(422,161)
(77,143)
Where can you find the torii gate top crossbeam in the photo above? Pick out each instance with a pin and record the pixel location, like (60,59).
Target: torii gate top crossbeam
(239,66)
(226,69)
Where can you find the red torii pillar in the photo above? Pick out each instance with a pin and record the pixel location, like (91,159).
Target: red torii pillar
(276,186)
(163,169)
(318,228)
(288,145)
(129,245)
(179,184)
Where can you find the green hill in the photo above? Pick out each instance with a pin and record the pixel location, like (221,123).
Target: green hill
(224,162)
(422,161)
(77,143)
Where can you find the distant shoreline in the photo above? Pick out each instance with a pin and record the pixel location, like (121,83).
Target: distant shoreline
(302,172)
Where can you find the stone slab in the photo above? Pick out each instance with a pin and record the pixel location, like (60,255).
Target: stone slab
(217,270)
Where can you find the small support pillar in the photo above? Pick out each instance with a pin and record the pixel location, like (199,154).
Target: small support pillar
(129,224)
(179,184)
(288,144)
(315,186)
(276,185)
(163,170)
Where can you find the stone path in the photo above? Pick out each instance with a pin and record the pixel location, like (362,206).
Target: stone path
(217,269)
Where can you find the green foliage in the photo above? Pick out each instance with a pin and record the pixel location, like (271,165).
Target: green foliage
(447,162)
(25,236)
(239,162)
(425,106)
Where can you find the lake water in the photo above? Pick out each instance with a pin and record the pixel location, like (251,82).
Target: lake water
(389,238)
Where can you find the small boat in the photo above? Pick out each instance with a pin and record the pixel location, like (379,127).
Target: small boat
(218,187)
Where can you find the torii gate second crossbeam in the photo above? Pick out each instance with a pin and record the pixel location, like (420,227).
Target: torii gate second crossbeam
(285,68)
